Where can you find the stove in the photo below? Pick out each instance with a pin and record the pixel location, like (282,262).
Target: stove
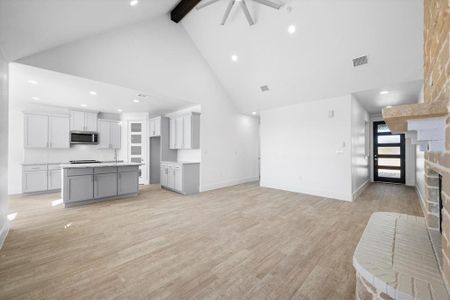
(86,161)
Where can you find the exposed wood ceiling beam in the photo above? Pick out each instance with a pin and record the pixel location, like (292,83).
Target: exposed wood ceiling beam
(182,9)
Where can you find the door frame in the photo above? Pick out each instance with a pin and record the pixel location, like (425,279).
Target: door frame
(375,157)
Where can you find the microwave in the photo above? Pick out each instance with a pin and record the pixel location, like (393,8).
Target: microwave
(84,137)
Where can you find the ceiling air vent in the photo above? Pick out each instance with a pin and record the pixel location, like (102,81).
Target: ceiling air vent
(359,61)
(264,88)
(142,95)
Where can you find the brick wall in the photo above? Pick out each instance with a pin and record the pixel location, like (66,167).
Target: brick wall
(437,88)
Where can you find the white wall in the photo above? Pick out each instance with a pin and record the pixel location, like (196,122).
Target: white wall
(158,56)
(18,154)
(360,159)
(420,164)
(304,150)
(3,149)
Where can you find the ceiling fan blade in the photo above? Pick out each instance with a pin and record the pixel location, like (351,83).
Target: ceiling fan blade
(269,3)
(247,13)
(227,12)
(205,3)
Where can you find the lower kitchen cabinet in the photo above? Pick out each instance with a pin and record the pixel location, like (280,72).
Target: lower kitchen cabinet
(105,185)
(128,182)
(34,181)
(79,188)
(54,179)
(183,178)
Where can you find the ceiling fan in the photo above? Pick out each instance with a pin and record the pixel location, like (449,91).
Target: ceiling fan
(243,6)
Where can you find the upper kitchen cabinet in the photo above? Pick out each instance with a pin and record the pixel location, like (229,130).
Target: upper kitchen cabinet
(46,131)
(59,132)
(83,121)
(155,127)
(109,134)
(185,131)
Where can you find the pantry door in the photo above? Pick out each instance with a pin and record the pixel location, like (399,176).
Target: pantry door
(137,147)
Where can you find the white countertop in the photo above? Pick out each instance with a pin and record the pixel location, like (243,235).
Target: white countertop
(99,165)
(180,162)
(395,255)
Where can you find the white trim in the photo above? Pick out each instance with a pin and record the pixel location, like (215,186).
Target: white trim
(361,188)
(218,185)
(4,232)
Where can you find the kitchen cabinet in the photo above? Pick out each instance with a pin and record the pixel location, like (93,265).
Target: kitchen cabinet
(54,179)
(172,134)
(59,132)
(185,131)
(34,178)
(105,185)
(109,134)
(46,131)
(41,178)
(36,131)
(83,121)
(128,182)
(155,127)
(79,188)
(183,178)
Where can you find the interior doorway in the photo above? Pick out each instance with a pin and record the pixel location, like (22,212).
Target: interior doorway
(389,154)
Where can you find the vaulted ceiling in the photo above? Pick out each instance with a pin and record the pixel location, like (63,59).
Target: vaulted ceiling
(313,63)
(316,61)
(31,26)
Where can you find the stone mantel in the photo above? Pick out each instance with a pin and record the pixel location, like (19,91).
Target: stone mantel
(396,117)
(395,260)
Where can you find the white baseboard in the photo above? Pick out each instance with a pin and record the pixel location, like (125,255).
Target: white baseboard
(219,185)
(359,190)
(4,232)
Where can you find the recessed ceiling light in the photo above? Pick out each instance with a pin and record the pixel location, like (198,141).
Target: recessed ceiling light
(32,81)
(93,93)
(292,29)
(136,101)
(120,110)
(384,92)
(234,57)
(134,2)
(83,105)
(254,113)
(36,98)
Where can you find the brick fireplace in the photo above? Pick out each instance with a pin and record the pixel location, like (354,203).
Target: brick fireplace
(437,88)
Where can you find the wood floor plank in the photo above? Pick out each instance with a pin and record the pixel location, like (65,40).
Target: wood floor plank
(241,242)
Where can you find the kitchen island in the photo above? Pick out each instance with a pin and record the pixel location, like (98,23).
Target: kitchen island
(88,183)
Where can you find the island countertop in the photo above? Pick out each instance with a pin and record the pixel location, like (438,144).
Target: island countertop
(99,165)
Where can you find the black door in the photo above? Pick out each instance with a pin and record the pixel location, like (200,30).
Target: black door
(389,154)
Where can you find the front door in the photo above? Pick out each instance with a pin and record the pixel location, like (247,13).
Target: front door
(137,147)
(389,154)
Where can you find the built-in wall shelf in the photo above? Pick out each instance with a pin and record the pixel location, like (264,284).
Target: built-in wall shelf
(424,123)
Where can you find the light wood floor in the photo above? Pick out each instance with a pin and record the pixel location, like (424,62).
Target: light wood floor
(243,242)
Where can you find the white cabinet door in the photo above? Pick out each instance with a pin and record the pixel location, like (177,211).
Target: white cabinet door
(152,124)
(59,132)
(104,134)
(164,178)
(115,134)
(54,179)
(77,122)
(158,127)
(36,131)
(90,120)
(172,134)
(170,177)
(179,133)
(187,132)
(178,178)
(35,181)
